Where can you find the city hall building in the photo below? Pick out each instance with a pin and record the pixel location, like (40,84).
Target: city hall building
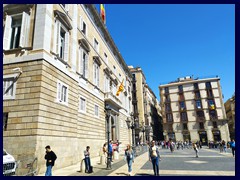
(61,68)
(193,109)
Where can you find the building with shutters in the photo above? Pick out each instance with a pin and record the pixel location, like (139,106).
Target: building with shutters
(193,109)
(61,68)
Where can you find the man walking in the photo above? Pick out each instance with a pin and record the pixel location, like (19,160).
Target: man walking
(154,156)
(50,159)
(232,145)
(110,150)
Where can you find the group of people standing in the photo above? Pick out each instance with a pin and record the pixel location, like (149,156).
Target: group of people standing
(153,154)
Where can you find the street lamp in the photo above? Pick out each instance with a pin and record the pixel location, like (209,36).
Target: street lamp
(132,124)
(108,115)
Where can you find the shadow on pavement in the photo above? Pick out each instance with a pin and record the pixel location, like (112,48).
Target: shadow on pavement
(143,174)
(122,174)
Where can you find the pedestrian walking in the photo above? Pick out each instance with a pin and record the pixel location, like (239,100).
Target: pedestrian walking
(129,156)
(195,149)
(154,157)
(110,150)
(224,146)
(232,145)
(50,157)
(88,167)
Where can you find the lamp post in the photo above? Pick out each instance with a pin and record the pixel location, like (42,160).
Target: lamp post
(108,113)
(132,124)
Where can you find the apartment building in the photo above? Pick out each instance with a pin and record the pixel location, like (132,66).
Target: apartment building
(230,112)
(144,107)
(61,68)
(193,109)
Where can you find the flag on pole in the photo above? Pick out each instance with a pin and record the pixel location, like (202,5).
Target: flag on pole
(120,89)
(102,12)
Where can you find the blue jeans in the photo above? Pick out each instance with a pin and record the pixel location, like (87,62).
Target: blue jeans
(155,163)
(49,171)
(87,163)
(129,162)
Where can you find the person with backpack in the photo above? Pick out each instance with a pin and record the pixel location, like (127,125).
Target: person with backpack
(129,156)
(50,157)
(154,157)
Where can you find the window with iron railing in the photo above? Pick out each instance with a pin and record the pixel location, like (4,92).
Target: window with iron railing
(180,88)
(214,124)
(213,115)
(166,90)
(169,118)
(197,95)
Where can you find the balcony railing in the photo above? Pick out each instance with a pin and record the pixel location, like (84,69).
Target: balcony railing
(200,119)
(110,97)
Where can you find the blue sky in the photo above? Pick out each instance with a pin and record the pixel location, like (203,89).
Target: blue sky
(169,41)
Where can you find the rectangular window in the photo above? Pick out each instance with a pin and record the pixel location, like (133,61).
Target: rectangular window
(105,58)
(83,63)
(208,85)
(181,97)
(182,105)
(201,125)
(82,104)
(134,77)
(16,31)
(180,88)
(209,93)
(167,98)
(185,127)
(214,124)
(197,95)
(213,114)
(166,90)
(107,83)
(96,45)
(195,86)
(183,116)
(5,121)
(198,104)
(114,70)
(62,93)
(96,111)
(9,87)
(211,104)
(169,118)
(96,74)
(83,26)
(168,107)
(200,114)
(61,41)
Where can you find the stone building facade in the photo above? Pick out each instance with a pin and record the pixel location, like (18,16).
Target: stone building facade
(60,70)
(193,109)
(230,112)
(144,107)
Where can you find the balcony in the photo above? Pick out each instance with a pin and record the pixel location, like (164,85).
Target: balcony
(110,98)
(213,118)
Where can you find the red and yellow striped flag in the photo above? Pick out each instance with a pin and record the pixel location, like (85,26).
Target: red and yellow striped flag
(120,89)
(102,12)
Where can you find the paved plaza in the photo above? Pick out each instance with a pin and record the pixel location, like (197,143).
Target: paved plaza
(179,163)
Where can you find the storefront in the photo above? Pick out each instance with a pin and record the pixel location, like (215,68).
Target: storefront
(216,135)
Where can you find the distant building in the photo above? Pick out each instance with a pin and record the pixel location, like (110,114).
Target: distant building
(145,108)
(230,111)
(193,109)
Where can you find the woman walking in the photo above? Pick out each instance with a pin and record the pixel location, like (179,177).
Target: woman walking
(129,156)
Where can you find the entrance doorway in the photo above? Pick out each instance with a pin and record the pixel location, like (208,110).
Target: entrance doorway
(203,138)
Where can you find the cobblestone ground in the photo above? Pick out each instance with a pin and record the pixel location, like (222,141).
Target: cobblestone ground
(179,163)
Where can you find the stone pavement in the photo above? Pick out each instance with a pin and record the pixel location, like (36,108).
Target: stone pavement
(179,163)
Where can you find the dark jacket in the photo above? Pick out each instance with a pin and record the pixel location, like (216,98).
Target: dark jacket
(50,156)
